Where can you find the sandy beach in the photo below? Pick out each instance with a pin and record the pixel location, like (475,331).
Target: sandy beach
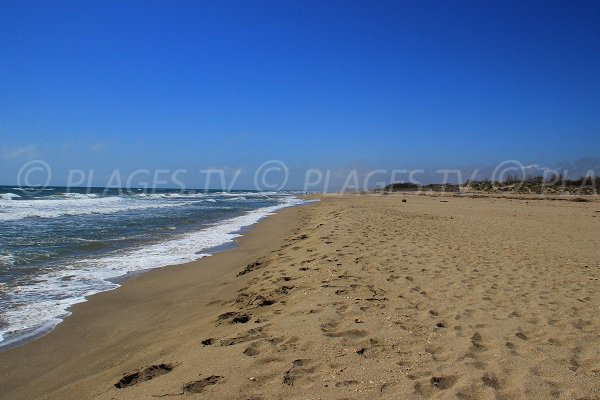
(351,297)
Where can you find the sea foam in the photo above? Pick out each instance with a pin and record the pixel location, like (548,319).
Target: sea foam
(38,307)
(76,204)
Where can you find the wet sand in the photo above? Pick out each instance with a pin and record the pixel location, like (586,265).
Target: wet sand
(351,297)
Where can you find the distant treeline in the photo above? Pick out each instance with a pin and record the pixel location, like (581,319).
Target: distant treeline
(552,184)
(395,187)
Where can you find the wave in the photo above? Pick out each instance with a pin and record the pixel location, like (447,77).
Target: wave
(203,196)
(249,194)
(75,196)
(7,260)
(76,205)
(32,188)
(170,195)
(72,204)
(43,304)
(9,196)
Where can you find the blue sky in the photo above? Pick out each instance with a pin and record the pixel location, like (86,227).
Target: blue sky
(330,84)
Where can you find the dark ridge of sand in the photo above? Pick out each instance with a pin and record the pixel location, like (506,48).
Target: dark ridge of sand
(353,297)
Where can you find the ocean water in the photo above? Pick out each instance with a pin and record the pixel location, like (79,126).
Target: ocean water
(58,246)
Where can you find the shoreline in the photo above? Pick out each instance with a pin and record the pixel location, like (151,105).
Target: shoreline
(57,344)
(50,324)
(48,327)
(351,297)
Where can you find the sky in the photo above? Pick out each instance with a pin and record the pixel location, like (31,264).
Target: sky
(196,85)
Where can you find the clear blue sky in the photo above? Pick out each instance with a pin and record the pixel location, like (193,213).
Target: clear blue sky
(190,84)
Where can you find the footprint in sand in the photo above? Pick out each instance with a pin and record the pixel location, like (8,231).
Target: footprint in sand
(443,382)
(234,317)
(491,381)
(252,334)
(249,268)
(251,351)
(261,301)
(521,336)
(145,374)
(350,334)
(299,368)
(477,342)
(198,386)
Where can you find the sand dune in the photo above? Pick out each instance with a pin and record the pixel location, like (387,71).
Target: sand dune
(351,297)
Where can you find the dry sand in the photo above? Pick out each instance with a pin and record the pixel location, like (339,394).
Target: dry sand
(352,297)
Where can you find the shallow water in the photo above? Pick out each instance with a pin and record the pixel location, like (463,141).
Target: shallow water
(58,246)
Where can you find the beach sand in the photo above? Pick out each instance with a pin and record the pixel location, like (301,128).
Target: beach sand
(351,297)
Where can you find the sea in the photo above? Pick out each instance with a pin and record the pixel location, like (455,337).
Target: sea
(59,246)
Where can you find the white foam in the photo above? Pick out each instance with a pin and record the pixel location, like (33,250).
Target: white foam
(248,194)
(77,195)
(78,204)
(45,302)
(174,195)
(9,196)
(7,259)
(205,196)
